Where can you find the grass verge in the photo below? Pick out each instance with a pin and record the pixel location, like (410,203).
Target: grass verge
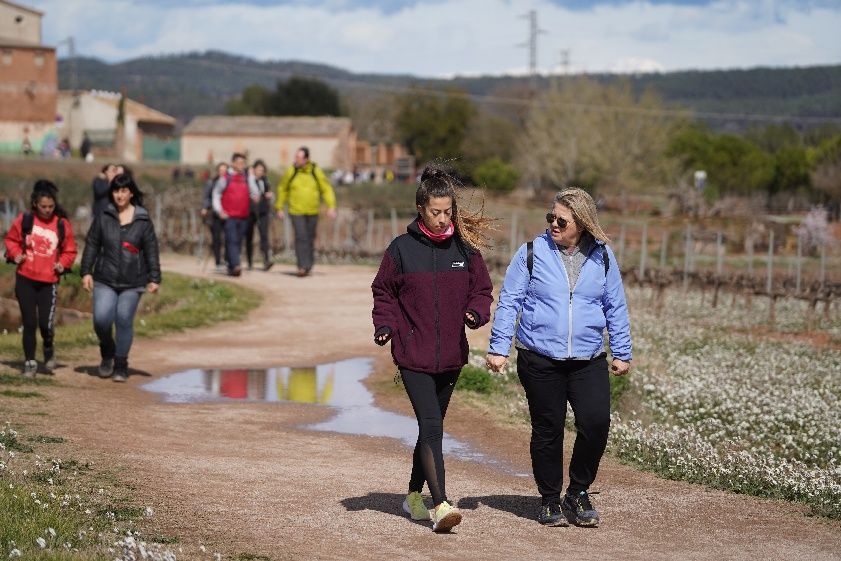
(183,303)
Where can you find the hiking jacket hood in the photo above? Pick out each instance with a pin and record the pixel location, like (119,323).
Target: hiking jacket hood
(303,190)
(42,249)
(122,257)
(558,321)
(421,293)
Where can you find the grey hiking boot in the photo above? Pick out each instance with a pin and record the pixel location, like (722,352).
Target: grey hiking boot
(106,367)
(30,368)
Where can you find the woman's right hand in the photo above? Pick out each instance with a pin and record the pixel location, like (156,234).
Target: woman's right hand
(495,363)
(87,282)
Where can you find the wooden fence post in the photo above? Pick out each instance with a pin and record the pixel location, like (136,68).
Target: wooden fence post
(687,256)
(643,251)
(664,243)
(514,229)
(769,283)
(394,232)
(799,264)
(369,231)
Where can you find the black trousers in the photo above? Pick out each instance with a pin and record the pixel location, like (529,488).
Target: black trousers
(261,221)
(430,395)
(37,310)
(549,384)
(305,226)
(217,226)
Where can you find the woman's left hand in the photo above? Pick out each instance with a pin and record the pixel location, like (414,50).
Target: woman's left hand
(152,287)
(620,367)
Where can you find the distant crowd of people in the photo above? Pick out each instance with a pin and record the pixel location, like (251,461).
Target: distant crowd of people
(239,199)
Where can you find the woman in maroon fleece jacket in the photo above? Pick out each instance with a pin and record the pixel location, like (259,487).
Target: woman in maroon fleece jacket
(431,283)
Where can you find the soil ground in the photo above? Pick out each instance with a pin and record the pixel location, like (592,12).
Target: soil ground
(244,478)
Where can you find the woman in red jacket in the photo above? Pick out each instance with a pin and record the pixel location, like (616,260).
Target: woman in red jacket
(40,242)
(431,283)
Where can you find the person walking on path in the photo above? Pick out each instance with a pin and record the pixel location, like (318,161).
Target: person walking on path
(40,243)
(566,287)
(259,215)
(432,281)
(302,188)
(211,217)
(120,262)
(232,197)
(102,189)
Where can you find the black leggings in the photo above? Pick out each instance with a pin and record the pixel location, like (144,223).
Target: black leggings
(37,310)
(430,395)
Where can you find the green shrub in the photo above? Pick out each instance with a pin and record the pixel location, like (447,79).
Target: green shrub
(496,175)
(475,379)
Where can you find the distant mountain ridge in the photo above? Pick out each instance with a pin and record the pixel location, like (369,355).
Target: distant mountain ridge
(192,84)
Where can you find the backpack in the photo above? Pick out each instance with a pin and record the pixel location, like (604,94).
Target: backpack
(530,258)
(26,224)
(297,169)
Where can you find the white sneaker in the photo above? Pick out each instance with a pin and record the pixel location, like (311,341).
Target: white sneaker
(445,517)
(30,368)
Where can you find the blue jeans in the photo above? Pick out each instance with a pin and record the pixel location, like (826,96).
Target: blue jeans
(234,234)
(114,307)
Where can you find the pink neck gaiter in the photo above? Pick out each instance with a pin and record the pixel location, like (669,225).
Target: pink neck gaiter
(436,237)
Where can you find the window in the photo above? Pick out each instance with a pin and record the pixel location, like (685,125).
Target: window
(7,57)
(39,58)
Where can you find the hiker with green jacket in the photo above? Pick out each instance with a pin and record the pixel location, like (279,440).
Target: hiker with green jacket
(302,188)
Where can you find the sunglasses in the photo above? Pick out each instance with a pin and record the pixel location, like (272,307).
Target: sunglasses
(550,218)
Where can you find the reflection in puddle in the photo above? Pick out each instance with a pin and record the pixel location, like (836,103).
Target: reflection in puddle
(337,384)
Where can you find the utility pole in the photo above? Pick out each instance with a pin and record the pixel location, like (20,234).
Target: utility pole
(531,44)
(74,74)
(74,81)
(564,65)
(565,61)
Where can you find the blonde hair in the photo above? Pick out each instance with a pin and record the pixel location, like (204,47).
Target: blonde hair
(583,209)
(473,227)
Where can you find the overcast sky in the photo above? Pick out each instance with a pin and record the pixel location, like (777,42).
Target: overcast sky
(459,37)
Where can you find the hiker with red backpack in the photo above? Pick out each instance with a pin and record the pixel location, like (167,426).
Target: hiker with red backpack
(40,242)
(232,198)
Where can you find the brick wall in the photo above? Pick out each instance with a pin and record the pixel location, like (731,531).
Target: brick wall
(28,84)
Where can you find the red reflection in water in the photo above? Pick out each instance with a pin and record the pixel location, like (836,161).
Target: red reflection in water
(234,383)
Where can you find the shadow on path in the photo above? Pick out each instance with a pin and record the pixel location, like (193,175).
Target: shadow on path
(388,503)
(523,506)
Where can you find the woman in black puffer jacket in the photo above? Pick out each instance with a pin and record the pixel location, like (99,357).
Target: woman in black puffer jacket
(119,264)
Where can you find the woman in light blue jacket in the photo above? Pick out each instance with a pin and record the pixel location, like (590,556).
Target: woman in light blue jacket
(566,288)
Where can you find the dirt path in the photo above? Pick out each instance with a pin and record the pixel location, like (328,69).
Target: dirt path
(243,478)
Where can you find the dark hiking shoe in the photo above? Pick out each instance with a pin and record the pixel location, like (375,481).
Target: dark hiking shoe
(579,510)
(268,265)
(120,369)
(49,359)
(106,367)
(550,515)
